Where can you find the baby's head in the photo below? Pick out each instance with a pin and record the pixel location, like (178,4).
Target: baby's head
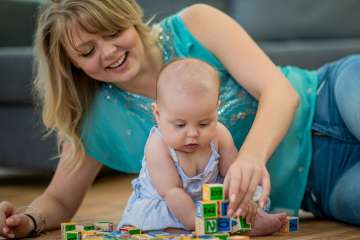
(186,103)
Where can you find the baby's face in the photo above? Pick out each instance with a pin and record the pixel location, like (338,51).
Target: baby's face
(188,123)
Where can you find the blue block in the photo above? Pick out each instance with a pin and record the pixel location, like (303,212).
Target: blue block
(293,225)
(224,224)
(224,208)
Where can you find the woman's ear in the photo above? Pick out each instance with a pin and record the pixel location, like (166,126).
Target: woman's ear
(155,112)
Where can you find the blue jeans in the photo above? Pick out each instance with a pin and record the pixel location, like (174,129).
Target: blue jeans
(333,188)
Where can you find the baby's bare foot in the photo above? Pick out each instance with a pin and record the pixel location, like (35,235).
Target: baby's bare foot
(266,224)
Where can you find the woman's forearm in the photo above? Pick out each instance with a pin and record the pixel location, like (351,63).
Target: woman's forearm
(273,119)
(51,211)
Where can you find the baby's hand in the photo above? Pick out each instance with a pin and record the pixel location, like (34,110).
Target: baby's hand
(13,224)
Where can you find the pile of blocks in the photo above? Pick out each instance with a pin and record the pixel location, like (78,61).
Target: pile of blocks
(211,223)
(97,231)
(211,215)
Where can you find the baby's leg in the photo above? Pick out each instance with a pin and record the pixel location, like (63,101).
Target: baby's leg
(266,223)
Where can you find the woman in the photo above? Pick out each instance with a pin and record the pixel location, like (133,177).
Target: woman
(97,69)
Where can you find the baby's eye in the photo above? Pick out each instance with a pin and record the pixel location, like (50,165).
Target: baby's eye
(179,125)
(204,124)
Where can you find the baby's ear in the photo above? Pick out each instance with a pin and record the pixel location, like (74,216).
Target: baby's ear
(155,111)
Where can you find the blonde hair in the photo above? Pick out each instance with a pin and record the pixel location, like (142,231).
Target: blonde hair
(66,92)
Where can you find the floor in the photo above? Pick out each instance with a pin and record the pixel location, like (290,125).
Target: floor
(111,192)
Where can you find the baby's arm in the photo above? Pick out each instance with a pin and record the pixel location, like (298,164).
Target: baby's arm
(166,180)
(226,148)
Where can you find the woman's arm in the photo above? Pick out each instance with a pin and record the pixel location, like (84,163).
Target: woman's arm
(258,75)
(60,200)
(166,181)
(67,189)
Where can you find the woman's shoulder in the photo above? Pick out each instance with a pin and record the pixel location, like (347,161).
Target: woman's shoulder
(179,32)
(191,15)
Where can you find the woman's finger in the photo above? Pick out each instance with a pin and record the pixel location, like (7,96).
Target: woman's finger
(226,185)
(250,190)
(244,186)
(233,194)
(266,190)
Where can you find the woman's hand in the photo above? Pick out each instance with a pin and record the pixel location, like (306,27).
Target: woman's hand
(13,224)
(240,184)
(251,212)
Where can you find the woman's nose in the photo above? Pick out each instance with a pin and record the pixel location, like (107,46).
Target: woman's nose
(108,51)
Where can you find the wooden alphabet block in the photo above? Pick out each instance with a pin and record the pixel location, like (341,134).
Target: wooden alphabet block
(292,225)
(213,192)
(239,224)
(207,209)
(205,226)
(104,226)
(223,208)
(224,224)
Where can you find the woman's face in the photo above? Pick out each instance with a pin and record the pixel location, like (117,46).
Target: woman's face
(114,57)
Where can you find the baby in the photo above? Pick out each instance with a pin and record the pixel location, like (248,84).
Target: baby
(187,148)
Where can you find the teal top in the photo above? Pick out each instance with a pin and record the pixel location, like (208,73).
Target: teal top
(115,129)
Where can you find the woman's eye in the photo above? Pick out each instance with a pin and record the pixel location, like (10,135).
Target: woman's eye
(88,53)
(112,34)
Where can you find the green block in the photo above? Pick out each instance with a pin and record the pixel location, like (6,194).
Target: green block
(222,235)
(72,236)
(134,231)
(209,210)
(210,226)
(217,193)
(89,227)
(243,224)
(70,227)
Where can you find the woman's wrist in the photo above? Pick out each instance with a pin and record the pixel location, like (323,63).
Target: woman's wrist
(251,158)
(37,221)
